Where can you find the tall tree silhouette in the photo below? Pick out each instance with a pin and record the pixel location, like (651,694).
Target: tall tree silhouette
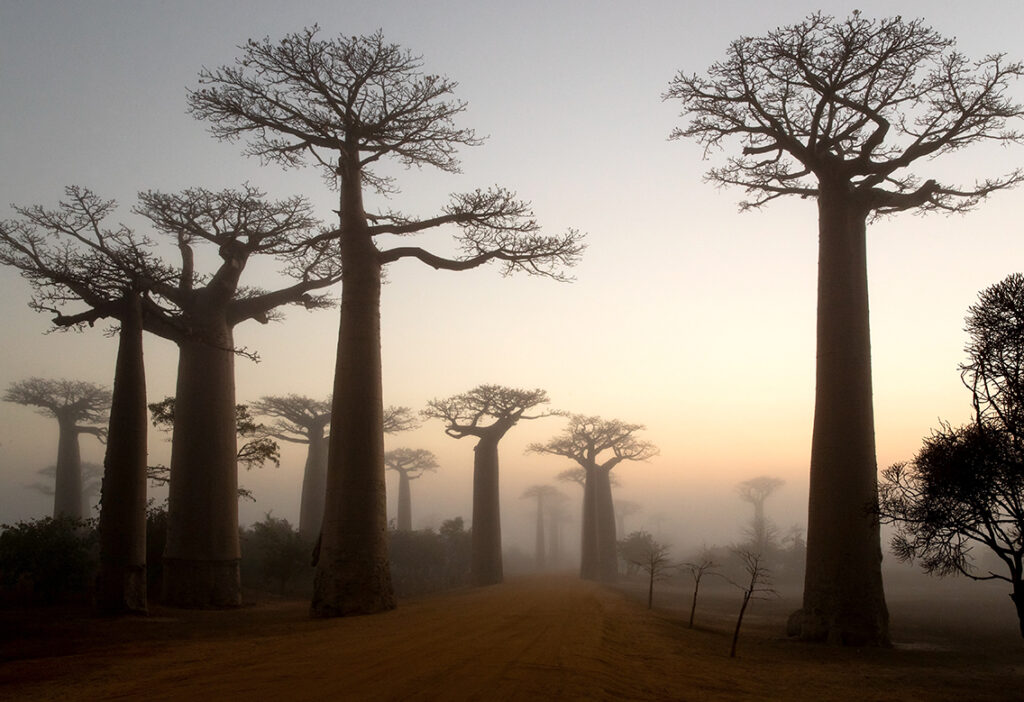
(410,464)
(76,405)
(73,260)
(344,105)
(586,440)
(756,491)
(302,420)
(839,110)
(487,412)
(546,496)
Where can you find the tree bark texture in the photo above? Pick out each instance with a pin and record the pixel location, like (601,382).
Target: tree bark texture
(607,551)
(353,575)
(121,584)
(201,558)
(67,488)
(404,502)
(844,602)
(314,485)
(485,564)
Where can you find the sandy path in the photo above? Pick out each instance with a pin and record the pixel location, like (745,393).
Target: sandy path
(530,639)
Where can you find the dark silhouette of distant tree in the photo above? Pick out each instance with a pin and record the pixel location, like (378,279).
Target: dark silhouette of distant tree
(303,420)
(757,585)
(585,441)
(965,487)
(623,509)
(92,480)
(838,111)
(487,412)
(77,406)
(756,491)
(642,551)
(410,464)
(346,104)
(546,497)
(703,564)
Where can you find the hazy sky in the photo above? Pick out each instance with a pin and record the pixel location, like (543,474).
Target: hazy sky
(686,316)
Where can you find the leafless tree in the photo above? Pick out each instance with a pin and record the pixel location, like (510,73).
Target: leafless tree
(344,105)
(839,111)
(652,558)
(758,585)
(487,413)
(410,464)
(703,564)
(586,440)
(756,491)
(546,497)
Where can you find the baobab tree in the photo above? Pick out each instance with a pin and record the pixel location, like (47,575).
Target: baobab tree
(410,464)
(756,491)
(201,558)
(839,111)
(623,509)
(546,496)
(585,441)
(487,413)
(302,420)
(76,405)
(72,260)
(345,104)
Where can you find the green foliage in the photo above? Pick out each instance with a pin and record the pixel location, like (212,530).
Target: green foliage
(274,553)
(48,560)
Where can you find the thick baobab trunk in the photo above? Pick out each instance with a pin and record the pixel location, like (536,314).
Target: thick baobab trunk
(844,602)
(121,584)
(1018,601)
(67,488)
(555,541)
(607,551)
(541,556)
(588,541)
(353,575)
(201,558)
(486,565)
(404,502)
(314,484)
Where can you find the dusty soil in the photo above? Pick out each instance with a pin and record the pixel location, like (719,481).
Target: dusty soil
(529,639)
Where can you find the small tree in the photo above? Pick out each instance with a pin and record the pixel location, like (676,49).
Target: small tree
(757,585)
(703,564)
(640,549)
(487,413)
(965,487)
(410,464)
(76,405)
(839,111)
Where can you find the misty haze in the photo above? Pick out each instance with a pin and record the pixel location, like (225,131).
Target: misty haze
(396,351)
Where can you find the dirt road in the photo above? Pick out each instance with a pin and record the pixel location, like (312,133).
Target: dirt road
(545,638)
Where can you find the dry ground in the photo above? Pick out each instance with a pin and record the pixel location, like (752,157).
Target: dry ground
(529,639)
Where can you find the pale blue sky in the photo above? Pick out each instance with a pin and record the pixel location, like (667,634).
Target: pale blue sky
(685,316)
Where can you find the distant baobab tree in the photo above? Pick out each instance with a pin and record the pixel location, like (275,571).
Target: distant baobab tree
(92,479)
(546,496)
(344,104)
(623,509)
(756,491)
(302,420)
(487,412)
(585,440)
(579,476)
(838,111)
(410,464)
(76,405)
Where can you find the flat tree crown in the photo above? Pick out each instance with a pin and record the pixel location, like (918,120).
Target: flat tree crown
(852,102)
(72,400)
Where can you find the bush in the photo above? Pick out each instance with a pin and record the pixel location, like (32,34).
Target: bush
(48,560)
(427,561)
(273,553)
